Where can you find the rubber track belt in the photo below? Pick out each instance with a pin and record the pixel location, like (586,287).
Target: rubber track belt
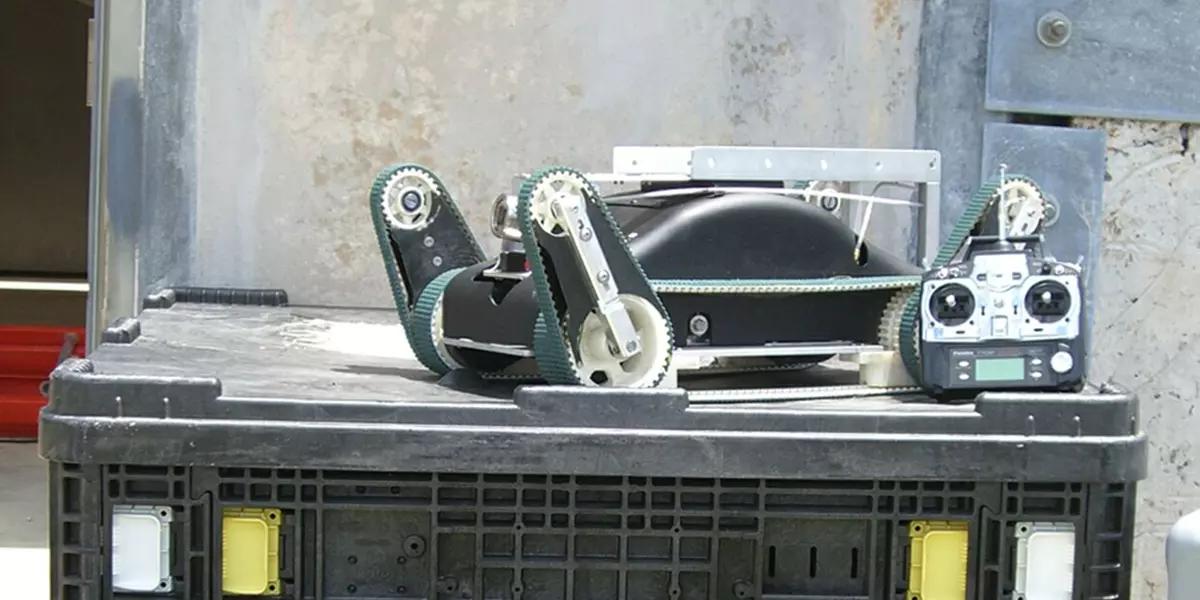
(551,347)
(414,307)
(784,286)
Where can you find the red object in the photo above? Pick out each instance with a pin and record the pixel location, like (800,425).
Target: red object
(27,355)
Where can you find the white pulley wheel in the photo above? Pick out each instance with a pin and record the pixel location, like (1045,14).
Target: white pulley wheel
(557,185)
(600,366)
(1025,208)
(408,199)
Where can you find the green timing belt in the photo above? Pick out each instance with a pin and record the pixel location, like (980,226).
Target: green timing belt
(553,351)
(416,315)
(551,348)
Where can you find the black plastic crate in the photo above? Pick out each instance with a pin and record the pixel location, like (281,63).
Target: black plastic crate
(356,534)
(389,485)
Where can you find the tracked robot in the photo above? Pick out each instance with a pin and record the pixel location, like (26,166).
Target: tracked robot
(634,289)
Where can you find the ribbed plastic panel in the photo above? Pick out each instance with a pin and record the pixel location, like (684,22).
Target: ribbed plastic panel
(353,534)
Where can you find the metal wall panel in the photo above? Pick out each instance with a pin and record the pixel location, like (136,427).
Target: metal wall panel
(1137,59)
(115,195)
(1068,165)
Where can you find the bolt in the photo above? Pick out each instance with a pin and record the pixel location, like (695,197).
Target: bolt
(414,545)
(698,325)
(410,200)
(603,277)
(1053,29)
(428,241)
(741,588)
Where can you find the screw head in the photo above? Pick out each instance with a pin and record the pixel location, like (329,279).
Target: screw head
(631,346)
(428,241)
(585,234)
(437,261)
(603,277)
(414,545)
(410,200)
(741,588)
(698,324)
(1053,29)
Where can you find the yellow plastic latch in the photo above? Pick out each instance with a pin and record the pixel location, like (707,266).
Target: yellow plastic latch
(938,565)
(250,551)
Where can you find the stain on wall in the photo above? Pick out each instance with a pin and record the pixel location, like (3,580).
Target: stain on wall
(1145,336)
(298,107)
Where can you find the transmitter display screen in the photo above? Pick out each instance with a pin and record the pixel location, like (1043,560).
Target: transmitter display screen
(999,369)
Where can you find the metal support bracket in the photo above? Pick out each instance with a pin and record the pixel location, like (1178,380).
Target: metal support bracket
(568,210)
(922,168)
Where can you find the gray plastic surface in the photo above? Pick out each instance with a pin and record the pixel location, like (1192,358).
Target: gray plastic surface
(334,388)
(1183,558)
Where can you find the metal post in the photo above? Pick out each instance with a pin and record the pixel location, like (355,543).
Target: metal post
(929,229)
(115,186)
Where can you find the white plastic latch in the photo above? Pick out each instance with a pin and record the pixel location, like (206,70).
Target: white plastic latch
(1045,561)
(141,548)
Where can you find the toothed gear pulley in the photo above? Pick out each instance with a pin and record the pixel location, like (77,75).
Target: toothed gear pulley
(599,365)
(407,201)
(889,324)
(561,184)
(1024,206)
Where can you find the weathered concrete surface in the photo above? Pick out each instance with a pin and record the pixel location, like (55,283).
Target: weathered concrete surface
(299,105)
(1146,330)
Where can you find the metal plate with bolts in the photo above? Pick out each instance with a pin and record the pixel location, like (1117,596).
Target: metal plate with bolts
(1138,59)
(751,163)
(746,163)
(1068,164)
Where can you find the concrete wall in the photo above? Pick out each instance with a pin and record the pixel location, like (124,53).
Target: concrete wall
(298,105)
(1146,331)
